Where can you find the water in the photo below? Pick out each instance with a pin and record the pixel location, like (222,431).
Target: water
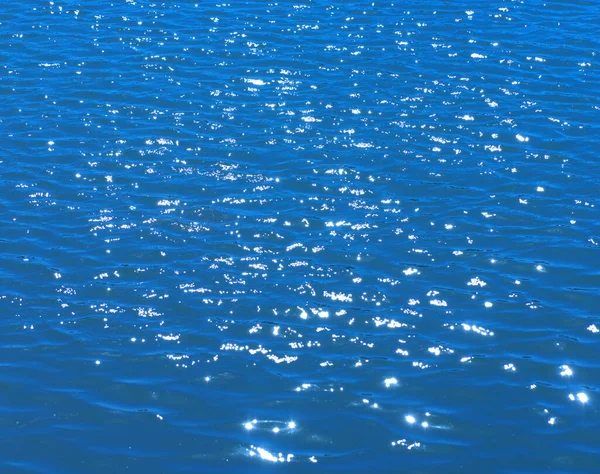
(309,237)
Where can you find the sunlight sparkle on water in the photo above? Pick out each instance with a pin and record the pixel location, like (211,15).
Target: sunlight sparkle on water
(582,397)
(565,371)
(312,279)
(476,281)
(404,443)
(267,456)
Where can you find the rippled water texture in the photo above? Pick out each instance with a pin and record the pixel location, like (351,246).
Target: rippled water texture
(327,236)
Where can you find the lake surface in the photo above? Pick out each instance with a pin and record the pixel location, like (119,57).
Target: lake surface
(299,237)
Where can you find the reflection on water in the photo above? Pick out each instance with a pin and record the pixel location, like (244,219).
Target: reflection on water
(340,237)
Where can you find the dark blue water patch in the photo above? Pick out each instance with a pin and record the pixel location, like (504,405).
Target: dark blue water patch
(305,237)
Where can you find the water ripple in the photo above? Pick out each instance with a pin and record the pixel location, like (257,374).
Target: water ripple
(322,236)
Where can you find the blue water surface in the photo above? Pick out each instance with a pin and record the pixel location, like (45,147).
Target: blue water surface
(299,237)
